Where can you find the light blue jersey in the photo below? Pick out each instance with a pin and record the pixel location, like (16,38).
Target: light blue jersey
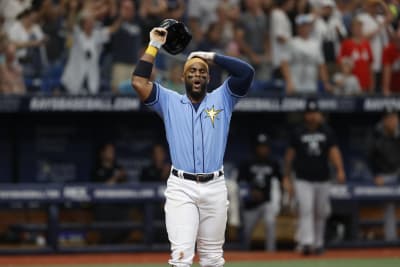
(197,140)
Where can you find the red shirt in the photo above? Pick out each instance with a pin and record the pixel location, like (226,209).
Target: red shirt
(361,55)
(391,56)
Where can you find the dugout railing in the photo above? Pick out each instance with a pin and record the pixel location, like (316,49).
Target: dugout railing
(346,200)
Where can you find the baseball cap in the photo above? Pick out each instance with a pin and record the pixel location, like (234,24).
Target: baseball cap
(262,139)
(312,105)
(304,19)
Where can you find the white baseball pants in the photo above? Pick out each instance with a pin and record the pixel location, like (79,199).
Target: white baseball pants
(196,213)
(251,218)
(268,211)
(314,208)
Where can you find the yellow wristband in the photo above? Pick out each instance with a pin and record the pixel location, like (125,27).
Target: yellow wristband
(151,50)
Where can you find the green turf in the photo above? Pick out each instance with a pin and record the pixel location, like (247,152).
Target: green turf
(291,263)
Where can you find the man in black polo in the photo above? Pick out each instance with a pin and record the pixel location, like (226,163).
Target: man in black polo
(312,147)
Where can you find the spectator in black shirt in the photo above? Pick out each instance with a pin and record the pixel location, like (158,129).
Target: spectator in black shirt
(262,174)
(384,157)
(159,168)
(109,172)
(158,171)
(312,147)
(125,45)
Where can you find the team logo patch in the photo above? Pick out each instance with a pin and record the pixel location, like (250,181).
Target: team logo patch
(212,113)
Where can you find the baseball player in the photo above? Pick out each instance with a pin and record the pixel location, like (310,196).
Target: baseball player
(384,158)
(196,125)
(263,175)
(311,148)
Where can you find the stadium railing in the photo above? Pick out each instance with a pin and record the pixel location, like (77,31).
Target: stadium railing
(346,199)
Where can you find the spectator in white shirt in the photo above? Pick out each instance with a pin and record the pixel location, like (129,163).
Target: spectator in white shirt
(82,72)
(9,9)
(304,62)
(329,29)
(29,39)
(376,29)
(280,32)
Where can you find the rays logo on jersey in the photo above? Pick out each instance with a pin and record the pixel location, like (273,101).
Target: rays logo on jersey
(261,174)
(212,113)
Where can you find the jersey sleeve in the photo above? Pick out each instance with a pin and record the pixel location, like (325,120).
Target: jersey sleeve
(158,99)
(13,33)
(38,32)
(229,98)
(287,52)
(278,22)
(341,28)
(102,35)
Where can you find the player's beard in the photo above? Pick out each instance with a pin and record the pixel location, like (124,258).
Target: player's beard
(196,95)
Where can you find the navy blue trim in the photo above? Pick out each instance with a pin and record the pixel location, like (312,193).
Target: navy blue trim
(196,106)
(194,159)
(233,94)
(202,138)
(153,97)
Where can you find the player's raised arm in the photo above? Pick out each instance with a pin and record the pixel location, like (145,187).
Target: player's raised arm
(241,73)
(141,76)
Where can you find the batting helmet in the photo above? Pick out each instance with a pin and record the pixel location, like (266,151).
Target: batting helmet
(178,36)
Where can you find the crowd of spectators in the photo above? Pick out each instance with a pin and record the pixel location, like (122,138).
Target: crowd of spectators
(342,47)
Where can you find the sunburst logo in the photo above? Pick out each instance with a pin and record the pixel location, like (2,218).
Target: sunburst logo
(212,114)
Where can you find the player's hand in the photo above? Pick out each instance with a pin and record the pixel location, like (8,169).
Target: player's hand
(158,37)
(207,56)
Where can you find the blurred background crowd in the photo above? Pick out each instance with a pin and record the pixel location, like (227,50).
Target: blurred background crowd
(342,47)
